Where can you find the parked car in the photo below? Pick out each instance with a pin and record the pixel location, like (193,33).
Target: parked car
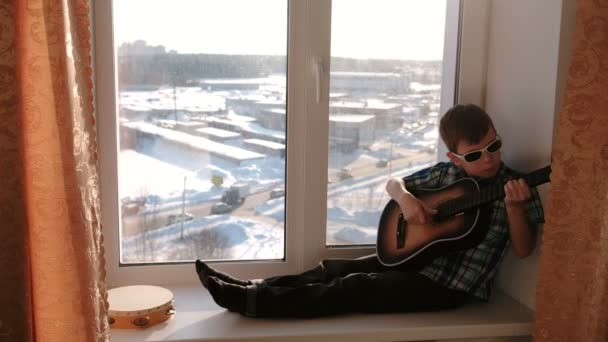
(221,208)
(382,163)
(236,194)
(152,199)
(165,124)
(176,218)
(276,193)
(130,208)
(345,173)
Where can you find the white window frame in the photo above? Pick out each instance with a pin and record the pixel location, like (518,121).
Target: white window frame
(317,237)
(306,206)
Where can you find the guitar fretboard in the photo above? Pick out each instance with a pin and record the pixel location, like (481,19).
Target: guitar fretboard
(488,194)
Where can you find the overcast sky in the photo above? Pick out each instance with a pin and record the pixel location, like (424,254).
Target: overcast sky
(395,29)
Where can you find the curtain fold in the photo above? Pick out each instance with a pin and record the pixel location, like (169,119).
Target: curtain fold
(51,244)
(572,290)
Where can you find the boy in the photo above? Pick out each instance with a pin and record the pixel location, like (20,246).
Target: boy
(449,281)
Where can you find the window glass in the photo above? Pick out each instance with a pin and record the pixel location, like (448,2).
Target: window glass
(385,85)
(201,102)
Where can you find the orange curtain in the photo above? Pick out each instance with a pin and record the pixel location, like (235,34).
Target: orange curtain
(51,256)
(572,292)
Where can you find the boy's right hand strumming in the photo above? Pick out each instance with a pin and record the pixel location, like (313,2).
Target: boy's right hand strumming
(414,210)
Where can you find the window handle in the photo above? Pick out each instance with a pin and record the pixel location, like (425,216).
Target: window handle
(318,70)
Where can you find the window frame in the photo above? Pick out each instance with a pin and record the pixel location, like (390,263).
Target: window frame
(306,182)
(317,237)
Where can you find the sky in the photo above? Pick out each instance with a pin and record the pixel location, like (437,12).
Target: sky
(388,29)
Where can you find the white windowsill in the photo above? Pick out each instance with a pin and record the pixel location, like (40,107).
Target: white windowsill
(198,318)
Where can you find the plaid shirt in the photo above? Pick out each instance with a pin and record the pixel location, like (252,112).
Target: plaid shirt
(473,270)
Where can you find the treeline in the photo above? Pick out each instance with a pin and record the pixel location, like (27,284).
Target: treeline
(180,69)
(183,69)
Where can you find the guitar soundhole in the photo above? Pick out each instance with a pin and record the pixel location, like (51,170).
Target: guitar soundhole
(400,231)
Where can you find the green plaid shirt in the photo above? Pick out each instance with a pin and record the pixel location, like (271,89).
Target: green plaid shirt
(473,270)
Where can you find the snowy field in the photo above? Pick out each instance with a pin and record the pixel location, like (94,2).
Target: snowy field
(354,207)
(169,169)
(212,237)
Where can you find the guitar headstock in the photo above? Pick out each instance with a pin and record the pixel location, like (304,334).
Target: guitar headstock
(539,176)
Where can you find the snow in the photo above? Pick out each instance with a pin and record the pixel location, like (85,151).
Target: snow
(242,239)
(253,238)
(370,104)
(195,142)
(265,143)
(280,111)
(139,174)
(172,169)
(351,118)
(247,126)
(239,118)
(365,74)
(418,87)
(216,132)
(186,98)
(349,234)
(353,212)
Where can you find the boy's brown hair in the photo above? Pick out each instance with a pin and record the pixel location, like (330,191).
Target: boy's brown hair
(464,122)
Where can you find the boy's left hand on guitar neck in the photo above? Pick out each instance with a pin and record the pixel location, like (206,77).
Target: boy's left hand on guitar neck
(523,235)
(517,192)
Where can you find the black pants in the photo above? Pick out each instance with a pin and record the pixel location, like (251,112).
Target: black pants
(339,286)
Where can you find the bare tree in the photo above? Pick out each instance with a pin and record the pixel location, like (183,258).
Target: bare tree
(142,193)
(208,244)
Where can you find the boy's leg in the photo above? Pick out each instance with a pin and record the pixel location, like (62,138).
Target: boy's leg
(205,271)
(344,267)
(243,298)
(326,271)
(322,273)
(397,291)
(389,291)
(309,300)
(314,275)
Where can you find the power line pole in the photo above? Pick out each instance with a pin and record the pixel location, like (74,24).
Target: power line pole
(174,79)
(183,216)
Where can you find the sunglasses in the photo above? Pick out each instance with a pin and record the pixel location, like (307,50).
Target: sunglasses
(473,156)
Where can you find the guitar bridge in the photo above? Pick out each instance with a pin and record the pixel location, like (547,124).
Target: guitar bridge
(400,231)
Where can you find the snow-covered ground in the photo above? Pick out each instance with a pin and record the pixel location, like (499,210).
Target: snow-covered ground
(211,237)
(354,208)
(168,176)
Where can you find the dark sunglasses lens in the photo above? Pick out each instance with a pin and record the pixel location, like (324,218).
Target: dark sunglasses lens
(495,146)
(473,156)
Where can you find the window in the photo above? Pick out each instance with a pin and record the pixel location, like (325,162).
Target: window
(202,123)
(385,97)
(234,131)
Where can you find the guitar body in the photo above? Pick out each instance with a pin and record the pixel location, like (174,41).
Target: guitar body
(461,221)
(399,242)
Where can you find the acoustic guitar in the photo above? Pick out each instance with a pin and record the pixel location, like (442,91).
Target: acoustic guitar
(461,221)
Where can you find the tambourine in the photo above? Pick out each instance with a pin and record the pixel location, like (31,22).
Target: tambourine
(139,306)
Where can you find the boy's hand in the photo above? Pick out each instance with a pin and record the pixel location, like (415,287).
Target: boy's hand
(416,211)
(516,192)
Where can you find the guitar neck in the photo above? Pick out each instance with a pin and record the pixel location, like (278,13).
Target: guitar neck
(490,193)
